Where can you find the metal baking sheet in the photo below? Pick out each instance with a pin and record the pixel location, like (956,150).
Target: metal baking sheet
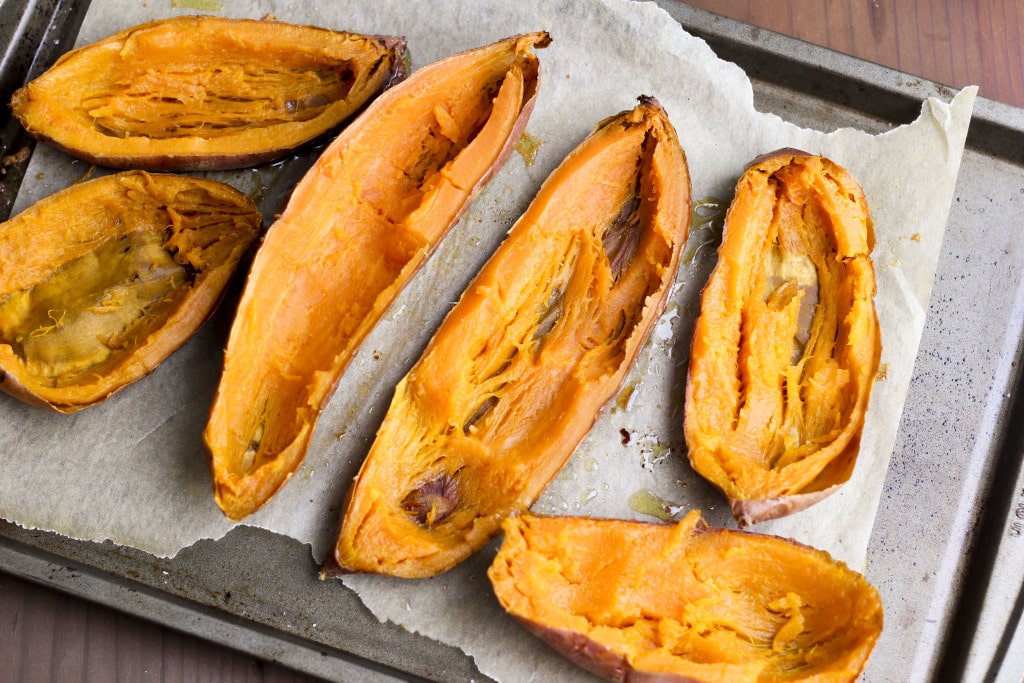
(945,514)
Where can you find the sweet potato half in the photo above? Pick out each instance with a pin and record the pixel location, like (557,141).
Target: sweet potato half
(517,373)
(102,281)
(202,93)
(641,601)
(357,226)
(787,344)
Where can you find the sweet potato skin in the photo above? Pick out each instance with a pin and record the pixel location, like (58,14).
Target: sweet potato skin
(763,357)
(356,228)
(644,601)
(101,102)
(518,372)
(198,230)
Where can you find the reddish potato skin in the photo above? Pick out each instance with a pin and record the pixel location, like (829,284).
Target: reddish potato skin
(599,659)
(10,385)
(749,510)
(195,163)
(596,658)
(536,548)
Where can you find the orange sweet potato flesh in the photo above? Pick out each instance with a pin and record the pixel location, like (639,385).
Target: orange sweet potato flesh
(100,282)
(202,93)
(519,370)
(356,228)
(787,344)
(640,601)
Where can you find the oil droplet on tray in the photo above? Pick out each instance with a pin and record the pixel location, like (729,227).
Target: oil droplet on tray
(622,401)
(646,503)
(202,5)
(566,474)
(527,148)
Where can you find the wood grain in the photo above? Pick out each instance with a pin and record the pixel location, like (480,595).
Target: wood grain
(953,42)
(49,636)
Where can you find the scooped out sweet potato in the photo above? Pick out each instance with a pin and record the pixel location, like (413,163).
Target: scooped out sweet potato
(357,226)
(642,601)
(201,93)
(516,375)
(787,344)
(100,282)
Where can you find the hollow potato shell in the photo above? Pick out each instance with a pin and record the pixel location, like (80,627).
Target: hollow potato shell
(195,93)
(683,602)
(357,227)
(517,374)
(102,281)
(786,347)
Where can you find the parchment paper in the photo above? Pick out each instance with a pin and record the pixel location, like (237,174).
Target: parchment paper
(133,470)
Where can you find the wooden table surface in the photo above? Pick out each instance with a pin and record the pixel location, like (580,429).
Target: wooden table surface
(49,636)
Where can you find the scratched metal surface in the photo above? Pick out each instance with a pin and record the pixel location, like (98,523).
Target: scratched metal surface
(946,523)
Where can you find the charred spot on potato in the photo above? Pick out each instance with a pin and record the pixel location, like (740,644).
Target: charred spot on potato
(433,501)
(622,237)
(479,414)
(252,450)
(436,151)
(552,311)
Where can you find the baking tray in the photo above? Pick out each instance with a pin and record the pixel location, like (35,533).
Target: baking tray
(946,517)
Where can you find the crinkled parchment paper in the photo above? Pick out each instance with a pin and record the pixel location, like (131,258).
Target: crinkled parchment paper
(133,470)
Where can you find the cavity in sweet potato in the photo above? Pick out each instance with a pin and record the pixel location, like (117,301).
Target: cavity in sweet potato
(100,282)
(517,374)
(357,226)
(195,93)
(786,347)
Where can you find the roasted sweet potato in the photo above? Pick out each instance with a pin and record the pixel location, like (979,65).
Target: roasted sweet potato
(641,601)
(102,281)
(519,370)
(358,225)
(787,344)
(201,93)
